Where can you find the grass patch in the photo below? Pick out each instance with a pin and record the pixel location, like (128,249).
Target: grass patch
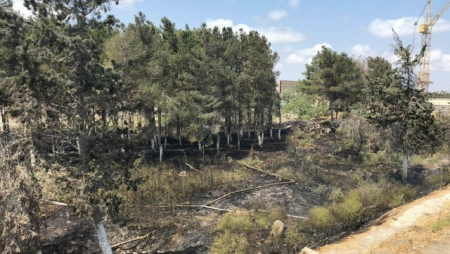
(441,224)
(166,186)
(231,243)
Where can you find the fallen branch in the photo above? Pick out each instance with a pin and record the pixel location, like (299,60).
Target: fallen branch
(191,167)
(56,203)
(224,210)
(267,173)
(130,241)
(125,242)
(244,190)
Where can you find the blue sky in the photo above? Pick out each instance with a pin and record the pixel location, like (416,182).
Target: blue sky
(298,28)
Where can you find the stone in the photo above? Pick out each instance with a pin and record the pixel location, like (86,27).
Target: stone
(277,228)
(307,250)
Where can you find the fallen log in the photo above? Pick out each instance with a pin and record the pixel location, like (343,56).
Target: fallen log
(267,173)
(244,190)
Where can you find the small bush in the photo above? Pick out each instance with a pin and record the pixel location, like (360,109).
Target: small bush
(321,190)
(322,219)
(397,200)
(236,220)
(440,179)
(229,242)
(295,237)
(243,220)
(373,195)
(350,209)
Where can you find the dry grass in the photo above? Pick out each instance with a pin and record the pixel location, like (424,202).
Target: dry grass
(429,235)
(172,187)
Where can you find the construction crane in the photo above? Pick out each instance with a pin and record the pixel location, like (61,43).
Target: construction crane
(425,30)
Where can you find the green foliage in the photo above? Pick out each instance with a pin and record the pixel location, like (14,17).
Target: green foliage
(334,76)
(350,209)
(239,220)
(396,104)
(322,219)
(397,200)
(383,157)
(439,179)
(230,243)
(303,105)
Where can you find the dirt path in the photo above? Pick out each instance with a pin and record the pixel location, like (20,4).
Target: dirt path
(422,226)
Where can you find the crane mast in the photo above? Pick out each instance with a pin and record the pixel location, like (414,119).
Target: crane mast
(425,30)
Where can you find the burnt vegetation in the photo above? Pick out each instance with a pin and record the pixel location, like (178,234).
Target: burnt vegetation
(178,142)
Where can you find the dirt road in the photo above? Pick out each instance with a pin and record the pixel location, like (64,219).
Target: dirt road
(422,226)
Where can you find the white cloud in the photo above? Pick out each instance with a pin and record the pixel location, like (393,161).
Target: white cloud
(391,57)
(20,8)
(435,55)
(279,66)
(126,4)
(383,28)
(294,3)
(288,49)
(441,26)
(281,35)
(219,23)
(445,61)
(402,26)
(273,34)
(304,56)
(276,15)
(362,50)
(439,60)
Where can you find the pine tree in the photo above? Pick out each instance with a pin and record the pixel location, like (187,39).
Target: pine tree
(397,105)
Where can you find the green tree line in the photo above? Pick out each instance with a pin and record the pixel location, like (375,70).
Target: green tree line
(76,79)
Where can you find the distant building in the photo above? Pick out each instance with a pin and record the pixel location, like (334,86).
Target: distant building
(286,86)
(441,106)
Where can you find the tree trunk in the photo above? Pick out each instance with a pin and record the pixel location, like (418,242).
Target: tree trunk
(160,153)
(4,119)
(32,158)
(218,143)
(260,138)
(159,126)
(165,136)
(101,231)
(405,167)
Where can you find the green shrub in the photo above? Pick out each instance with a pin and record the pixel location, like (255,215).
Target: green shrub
(321,218)
(295,237)
(336,195)
(397,200)
(350,209)
(440,179)
(236,220)
(243,220)
(373,194)
(229,242)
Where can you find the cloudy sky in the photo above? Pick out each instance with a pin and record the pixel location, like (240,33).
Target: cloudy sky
(298,28)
